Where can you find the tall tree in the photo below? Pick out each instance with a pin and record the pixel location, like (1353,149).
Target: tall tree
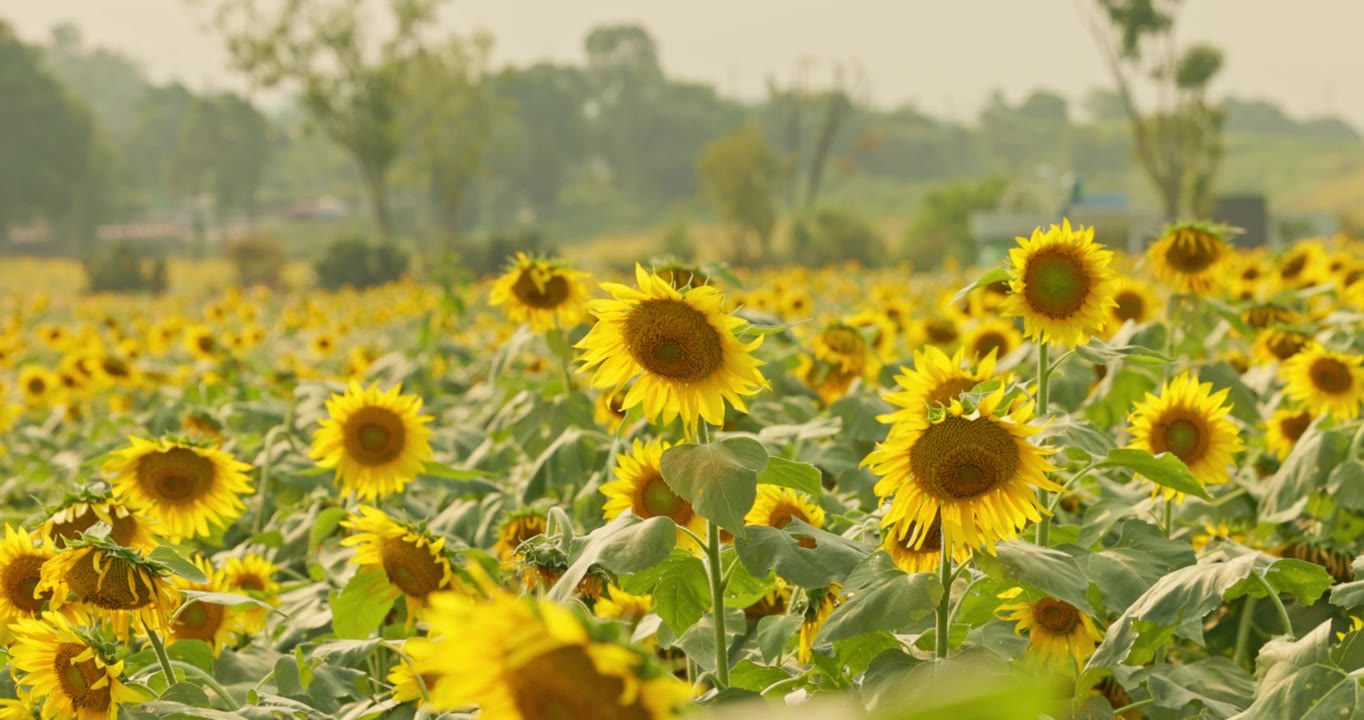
(739,176)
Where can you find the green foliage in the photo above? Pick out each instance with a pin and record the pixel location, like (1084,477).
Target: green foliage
(720,479)
(124,269)
(739,176)
(259,260)
(830,236)
(941,227)
(352,262)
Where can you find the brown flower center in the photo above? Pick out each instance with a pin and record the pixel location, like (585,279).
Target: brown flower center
(1331,376)
(564,684)
(199,621)
(109,582)
(178,476)
(941,332)
(412,568)
(78,680)
(1056,283)
(1193,252)
(674,340)
(550,292)
(374,436)
(960,458)
(1183,435)
(1131,306)
(19,580)
(1284,345)
(950,390)
(843,340)
(655,498)
(1055,616)
(991,341)
(1293,426)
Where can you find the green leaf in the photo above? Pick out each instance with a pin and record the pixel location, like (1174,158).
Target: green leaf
(1245,405)
(1350,594)
(698,642)
(830,559)
(1305,581)
(1215,683)
(326,523)
(1047,570)
(1164,469)
(795,475)
(219,598)
(990,277)
(747,675)
(1299,679)
(1136,559)
(627,544)
(1101,353)
(439,470)
(1346,486)
(682,593)
(719,479)
(360,607)
(167,556)
(1305,471)
(743,588)
(882,597)
(858,415)
(774,632)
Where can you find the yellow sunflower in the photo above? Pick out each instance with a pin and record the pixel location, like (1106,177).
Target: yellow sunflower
(839,355)
(974,470)
(935,380)
(1303,265)
(183,488)
(110,581)
(639,488)
(198,620)
(608,410)
(1262,316)
(775,602)
(255,576)
(126,527)
(940,332)
(991,338)
(1059,634)
(21,568)
(821,605)
(1278,345)
(377,441)
(1191,258)
(201,342)
(927,557)
(1326,383)
(413,562)
(54,662)
(526,659)
(620,605)
(1284,428)
(1133,300)
(776,506)
(40,387)
(407,686)
(543,293)
(680,347)
(1061,285)
(1189,421)
(517,528)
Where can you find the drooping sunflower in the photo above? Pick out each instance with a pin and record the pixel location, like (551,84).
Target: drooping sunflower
(377,441)
(777,506)
(255,576)
(198,620)
(639,487)
(110,581)
(1133,300)
(1189,421)
(839,356)
(413,561)
(935,380)
(820,605)
(79,513)
(1060,634)
(1284,428)
(526,659)
(182,487)
(55,662)
(1326,383)
(1190,258)
(518,527)
(927,557)
(991,338)
(680,350)
(620,605)
(543,293)
(1062,285)
(974,470)
(21,568)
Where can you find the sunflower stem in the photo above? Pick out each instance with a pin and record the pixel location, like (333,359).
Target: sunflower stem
(717,598)
(160,649)
(1171,314)
(1133,706)
(1044,369)
(267,449)
(944,604)
(208,680)
(1278,604)
(1169,516)
(1242,655)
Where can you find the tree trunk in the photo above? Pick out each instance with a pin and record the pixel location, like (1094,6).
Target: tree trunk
(376,189)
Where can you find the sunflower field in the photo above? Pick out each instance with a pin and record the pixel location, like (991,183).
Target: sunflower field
(1078,485)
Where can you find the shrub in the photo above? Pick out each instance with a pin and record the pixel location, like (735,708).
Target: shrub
(124,269)
(833,236)
(351,261)
(258,259)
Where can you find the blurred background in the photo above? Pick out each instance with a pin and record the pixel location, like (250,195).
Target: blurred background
(367,138)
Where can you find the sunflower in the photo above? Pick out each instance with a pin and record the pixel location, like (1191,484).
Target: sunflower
(413,561)
(1216,531)
(183,488)
(821,604)
(21,567)
(940,332)
(57,663)
(775,602)
(526,659)
(1060,634)
(935,380)
(639,487)
(517,528)
(991,338)
(976,471)
(1190,258)
(681,347)
(407,685)
(198,620)
(840,354)
(78,514)
(39,386)
(608,410)
(620,605)
(1188,420)
(1326,383)
(543,293)
(1133,301)
(1278,345)
(111,581)
(1284,428)
(925,558)
(1262,316)
(255,576)
(1061,285)
(201,343)
(775,507)
(322,344)
(377,441)
(1303,265)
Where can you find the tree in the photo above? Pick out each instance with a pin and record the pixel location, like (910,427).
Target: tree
(786,110)
(224,145)
(545,137)
(351,91)
(739,175)
(109,82)
(1179,142)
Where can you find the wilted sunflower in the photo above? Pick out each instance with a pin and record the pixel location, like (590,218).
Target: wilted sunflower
(21,568)
(1061,285)
(198,620)
(639,488)
(110,581)
(1284,428)
(1191,258)
(935,380)
(79,513)
(1189,421)
(518,527)
(525,659)
(777,506)
(974,470)
(183,488)
(991,338)
(1060,634)
(1325,382)
(413,561)
(1133,300)
(377,441)
(820,605)
(925,558)
(58,664)
(255,576)
(543,293)
(680,347)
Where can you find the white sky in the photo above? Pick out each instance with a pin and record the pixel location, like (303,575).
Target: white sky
(945,55)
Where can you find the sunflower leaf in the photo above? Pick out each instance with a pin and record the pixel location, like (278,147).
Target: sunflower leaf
(1048,570)
(167,556)
(881,597)
(719,479)
(991,277)
(440,470)
(682,594)
(360,608)
(801,554)
(1164,469)
(624,545)
(795,475)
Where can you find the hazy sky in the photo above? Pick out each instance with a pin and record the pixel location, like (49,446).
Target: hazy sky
(945,55)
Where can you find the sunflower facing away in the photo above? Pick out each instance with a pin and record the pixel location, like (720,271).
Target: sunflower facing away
(639,488)
(377,441)
(1059,634)
(518,527)
(80,513)
(925,558)
(976,471)
(821,604)
(526,659)
(412,561)
(1284,428)
(543,293)
(680,349)
(1191,258)
(55,662)
(1062,285)
(183,488)
(777,506)
(1188,420)
(110,581)
(21,569)
(1326,382)
(935,380)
